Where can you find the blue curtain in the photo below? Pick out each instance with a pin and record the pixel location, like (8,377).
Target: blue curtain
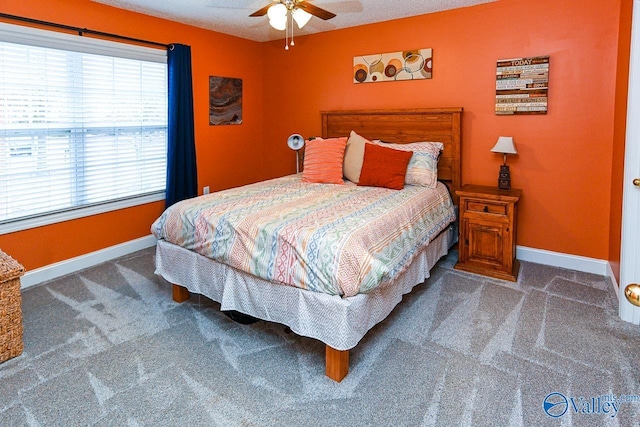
(182,180)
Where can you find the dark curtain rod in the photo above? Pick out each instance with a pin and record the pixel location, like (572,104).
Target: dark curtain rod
(83,31)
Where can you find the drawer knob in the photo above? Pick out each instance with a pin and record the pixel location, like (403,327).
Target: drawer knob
(486,208)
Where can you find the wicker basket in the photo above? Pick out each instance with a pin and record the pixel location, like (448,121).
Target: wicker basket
(11,344)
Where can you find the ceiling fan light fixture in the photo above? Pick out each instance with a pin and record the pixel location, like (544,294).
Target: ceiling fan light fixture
(301,17)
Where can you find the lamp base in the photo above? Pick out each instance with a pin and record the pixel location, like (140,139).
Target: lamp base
(504,179)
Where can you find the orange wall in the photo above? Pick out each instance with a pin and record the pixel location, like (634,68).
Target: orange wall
(567,158)
(564,161)
(227,155)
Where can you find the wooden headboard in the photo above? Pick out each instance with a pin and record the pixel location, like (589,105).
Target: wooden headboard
(404,126)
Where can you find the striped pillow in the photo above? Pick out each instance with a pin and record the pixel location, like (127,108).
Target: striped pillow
(423,167)
(323,160)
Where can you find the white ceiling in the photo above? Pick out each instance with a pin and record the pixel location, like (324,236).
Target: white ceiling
(232,16)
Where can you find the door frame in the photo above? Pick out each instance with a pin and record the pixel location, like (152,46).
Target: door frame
(630,246)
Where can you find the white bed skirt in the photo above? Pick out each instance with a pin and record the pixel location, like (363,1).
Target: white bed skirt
(338,322)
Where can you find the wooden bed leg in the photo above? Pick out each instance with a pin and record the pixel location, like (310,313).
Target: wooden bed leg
(336,363)
(180,294)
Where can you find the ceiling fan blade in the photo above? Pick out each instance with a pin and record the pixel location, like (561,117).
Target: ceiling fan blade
(315,10)
(262,11)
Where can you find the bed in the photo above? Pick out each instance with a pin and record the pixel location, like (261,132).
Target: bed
(342,312)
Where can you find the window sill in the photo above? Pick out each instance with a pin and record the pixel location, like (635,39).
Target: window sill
(39,221)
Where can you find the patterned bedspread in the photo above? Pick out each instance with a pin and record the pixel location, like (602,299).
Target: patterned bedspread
(336,239)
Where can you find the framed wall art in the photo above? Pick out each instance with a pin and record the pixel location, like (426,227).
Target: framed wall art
(414,64)
(522,85)
(225,101)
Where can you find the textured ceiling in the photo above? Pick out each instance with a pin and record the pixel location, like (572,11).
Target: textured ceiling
(232,16)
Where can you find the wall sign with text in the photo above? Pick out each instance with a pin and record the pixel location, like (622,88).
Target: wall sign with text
(522,85)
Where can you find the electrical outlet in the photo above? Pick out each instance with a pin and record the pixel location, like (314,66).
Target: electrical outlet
(205,190)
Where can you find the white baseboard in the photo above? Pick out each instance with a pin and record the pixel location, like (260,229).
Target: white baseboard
(612,276)
(62,268)
(573,262)
(558,259)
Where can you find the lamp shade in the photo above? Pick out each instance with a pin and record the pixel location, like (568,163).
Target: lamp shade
(504,146)
(301,17)
(295,141)
(277,16)
(277,11)
(279,24)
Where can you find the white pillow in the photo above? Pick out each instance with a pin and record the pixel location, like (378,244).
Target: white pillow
(353,157)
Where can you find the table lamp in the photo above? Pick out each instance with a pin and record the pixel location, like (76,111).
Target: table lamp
(296,142)
(504,146)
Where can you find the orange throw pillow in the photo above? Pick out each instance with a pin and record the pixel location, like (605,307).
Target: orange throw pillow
(384,167)
(323,160)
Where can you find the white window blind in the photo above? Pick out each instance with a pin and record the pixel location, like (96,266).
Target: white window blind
(80,132)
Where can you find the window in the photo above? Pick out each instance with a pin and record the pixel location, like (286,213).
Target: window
(83,126)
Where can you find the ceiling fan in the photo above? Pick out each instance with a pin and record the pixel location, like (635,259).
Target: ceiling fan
(282,13)
(292,5)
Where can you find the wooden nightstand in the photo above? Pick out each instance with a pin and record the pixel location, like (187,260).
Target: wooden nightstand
(487,242)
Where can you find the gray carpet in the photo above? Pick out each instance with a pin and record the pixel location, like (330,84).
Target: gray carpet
(108,347)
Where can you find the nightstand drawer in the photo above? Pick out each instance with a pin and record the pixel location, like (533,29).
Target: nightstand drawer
(486,207)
